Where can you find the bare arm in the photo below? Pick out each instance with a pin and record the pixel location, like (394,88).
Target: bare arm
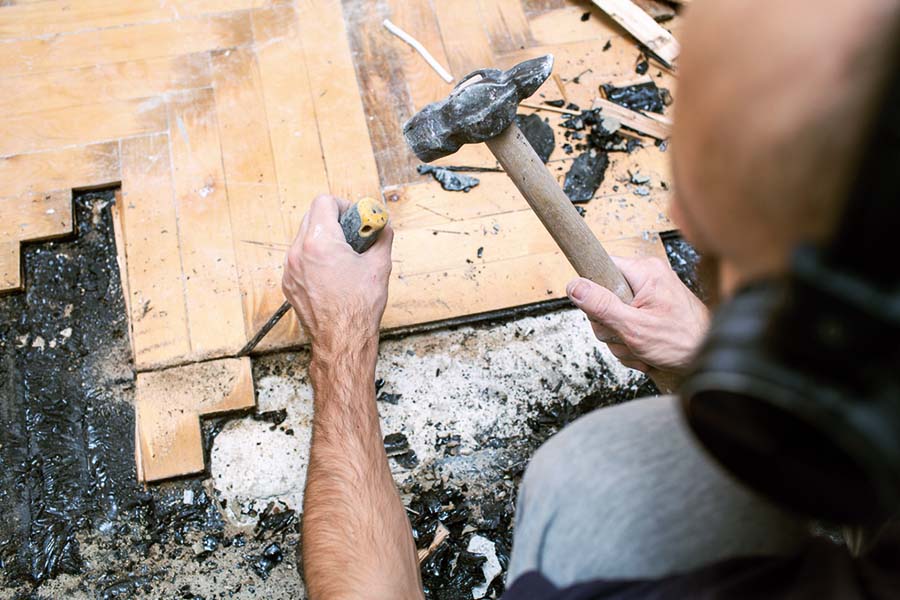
(357,541)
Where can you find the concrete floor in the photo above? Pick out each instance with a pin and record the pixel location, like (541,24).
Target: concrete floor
(475,382)
(478,382)
(474,401)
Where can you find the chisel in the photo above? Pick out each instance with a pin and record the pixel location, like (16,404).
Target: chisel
(361,224)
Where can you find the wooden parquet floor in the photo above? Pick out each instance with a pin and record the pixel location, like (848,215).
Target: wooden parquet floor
(222,119)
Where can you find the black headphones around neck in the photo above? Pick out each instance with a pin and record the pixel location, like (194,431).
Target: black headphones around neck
(796,390)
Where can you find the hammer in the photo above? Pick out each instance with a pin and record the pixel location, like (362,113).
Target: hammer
(482,108)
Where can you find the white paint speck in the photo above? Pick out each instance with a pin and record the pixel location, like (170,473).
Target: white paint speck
(38,343)
(491,568)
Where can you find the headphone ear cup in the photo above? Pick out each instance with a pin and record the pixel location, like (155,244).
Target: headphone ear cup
(782,430)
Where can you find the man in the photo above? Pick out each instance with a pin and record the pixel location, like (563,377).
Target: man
(773,102)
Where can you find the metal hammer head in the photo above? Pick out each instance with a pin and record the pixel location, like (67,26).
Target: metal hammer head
(476,111)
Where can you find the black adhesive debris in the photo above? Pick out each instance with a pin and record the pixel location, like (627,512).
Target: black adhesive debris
(640,96)
(575,123)
(685,261)
(66,451)
(538,133)
(585,16)
(262,564)
(449,180)
(396,445)
(480,252)
(389,398)
(275,520)
(642,67)
(275,417)
(555,103)
(607,45)
(586,175)
(600,132)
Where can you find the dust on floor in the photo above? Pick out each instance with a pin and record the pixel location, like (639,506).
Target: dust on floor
(468,405)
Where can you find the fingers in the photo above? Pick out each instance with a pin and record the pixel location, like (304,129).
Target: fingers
(605,334)
(343,204)
(323,216)
(623,353)
(636,365)
(636,271)
(599,304)
(381,249)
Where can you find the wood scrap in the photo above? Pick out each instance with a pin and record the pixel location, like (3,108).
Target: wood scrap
(656,126)
(29,217)
(660,11)
(642,26)
(418,47)
(168,407)
(441,533)
(634,120)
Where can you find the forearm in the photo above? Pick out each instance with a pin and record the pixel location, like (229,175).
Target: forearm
(357,541)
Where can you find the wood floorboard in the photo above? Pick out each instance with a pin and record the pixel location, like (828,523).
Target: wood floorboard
(222,119)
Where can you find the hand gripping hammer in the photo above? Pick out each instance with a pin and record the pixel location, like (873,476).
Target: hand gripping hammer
(482,108)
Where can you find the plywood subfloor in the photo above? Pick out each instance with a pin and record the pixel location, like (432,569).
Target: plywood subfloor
(222,119)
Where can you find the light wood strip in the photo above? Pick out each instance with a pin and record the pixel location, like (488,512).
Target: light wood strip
(121,260)
(47,17)
(79,125)
(168,406)
(472,288)
(343,130)
(34,217)
(506,24)
(155,280)
(651,126)
(417,18)
(32,19)
(384,93)
(642,26)
(466,42)
(78,167)
(214,309)
(10,266)
(495,212)
(125,43)
(259,232)
(103,83)
(290,110)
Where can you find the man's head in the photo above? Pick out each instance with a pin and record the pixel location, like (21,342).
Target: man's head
(775,100)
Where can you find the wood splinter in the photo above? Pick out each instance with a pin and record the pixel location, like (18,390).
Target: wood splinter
(418,47)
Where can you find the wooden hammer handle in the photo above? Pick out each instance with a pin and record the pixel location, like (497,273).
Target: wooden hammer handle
(568,229)
(556,211)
